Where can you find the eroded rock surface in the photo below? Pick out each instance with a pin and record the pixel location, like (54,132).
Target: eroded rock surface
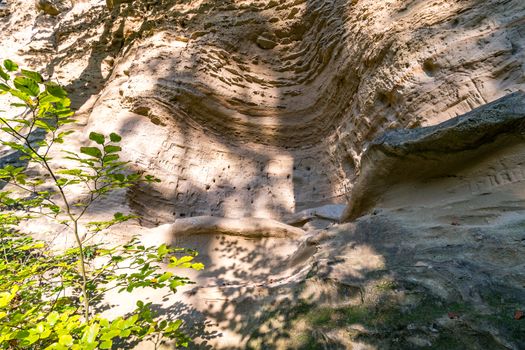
(437,151)
(262,110)
(237,130)
(51,7)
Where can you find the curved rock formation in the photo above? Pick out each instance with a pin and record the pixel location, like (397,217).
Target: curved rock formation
(435,151)
(244,227)
(257,112)
(263,108)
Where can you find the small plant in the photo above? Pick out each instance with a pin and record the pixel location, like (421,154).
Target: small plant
(50,300)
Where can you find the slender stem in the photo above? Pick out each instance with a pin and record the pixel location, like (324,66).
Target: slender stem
(14,183)
(44,162)
(54,302)
(82,270)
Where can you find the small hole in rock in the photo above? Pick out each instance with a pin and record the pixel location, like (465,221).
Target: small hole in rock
(430,67)
(384,99)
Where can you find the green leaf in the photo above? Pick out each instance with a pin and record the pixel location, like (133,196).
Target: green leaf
(90,333)
(10,66)
(46,333)
(65,133)
(33,75)
(104,322)
(62,182)
(173,326)
(165,276)
(133,177)
(40,328)
(52,318)
(108,335)
(42,124)
(4,87)
(106,344)
(32,338)
(91,151)
(22,334)
(4,75)
(151,178)
(72,172)
(48,99)
(112,149)
(176,283)
(21,95)
(6,297)
(111,158)
(56,90)
(197,266)
(115,137)
(66,340)
(98,138)
(29,86)
(119,177)
(175,262)
(162,250)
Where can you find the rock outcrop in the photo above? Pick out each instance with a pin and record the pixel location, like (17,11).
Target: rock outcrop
(244,227)
(264,119)
(285,125)
(4,9)
(437,151)
(52,7)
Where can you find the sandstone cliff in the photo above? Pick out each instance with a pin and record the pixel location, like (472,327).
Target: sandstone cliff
(286,110)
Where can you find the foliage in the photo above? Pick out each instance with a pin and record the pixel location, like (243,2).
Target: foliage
(49,300)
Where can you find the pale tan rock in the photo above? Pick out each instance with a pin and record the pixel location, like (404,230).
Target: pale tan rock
(265,42)
(239,132)
(52,7)
(4,8)
(245,227)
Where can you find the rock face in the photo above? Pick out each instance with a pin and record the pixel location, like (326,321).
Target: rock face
(259,113)
(285,127)
(435,151)
(51,7)
(4,9)
(264,108)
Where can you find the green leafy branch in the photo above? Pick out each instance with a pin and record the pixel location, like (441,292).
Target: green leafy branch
(46,299)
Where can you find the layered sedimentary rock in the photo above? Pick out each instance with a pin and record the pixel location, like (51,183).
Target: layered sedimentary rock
(264,108)
(438,151)
(283,111)
(294,119)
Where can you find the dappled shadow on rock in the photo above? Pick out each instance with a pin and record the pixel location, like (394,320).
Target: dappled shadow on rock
(236,126)
(438,262)
(380,284)
(196,326)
